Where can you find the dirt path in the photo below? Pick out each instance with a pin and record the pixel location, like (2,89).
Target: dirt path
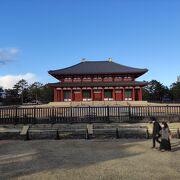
(108,159)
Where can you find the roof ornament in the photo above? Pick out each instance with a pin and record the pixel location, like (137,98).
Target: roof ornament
(110,59)
(83,59)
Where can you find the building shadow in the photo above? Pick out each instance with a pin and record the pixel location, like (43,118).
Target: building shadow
(20,158)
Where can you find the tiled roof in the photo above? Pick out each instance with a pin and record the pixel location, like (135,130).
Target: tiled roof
(98,67)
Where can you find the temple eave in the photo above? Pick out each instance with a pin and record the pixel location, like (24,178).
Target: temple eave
(93,84)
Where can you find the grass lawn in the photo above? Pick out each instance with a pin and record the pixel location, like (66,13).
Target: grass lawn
(97,159)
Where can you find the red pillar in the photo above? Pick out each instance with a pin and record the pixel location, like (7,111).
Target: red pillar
(59,94)
(92,95)
(133,94)
(71,94)
(140,94)
(114,98)
(81,94)
(102,94)
(62,98)
(123,94)
(55,95)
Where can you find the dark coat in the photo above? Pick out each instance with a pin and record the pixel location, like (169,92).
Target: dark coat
(156,129)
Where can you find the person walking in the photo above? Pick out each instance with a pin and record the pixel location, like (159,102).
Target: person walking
(155,132)
(165,144)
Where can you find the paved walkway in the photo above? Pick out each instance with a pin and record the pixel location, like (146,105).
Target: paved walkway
(107,159)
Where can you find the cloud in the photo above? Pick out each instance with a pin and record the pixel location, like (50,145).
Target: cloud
(8,54)
(8,81)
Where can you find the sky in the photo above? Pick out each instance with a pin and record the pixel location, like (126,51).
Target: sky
(41,35)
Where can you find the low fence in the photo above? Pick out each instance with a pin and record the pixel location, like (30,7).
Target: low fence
(105,114)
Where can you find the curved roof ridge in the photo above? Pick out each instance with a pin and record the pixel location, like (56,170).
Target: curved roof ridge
(65,68)
(97,67)
(130,66)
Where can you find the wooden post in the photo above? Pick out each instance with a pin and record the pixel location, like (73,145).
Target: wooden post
(119,112)
(34,115)
(168,112)
(148,111)
(16,118)
(57,135)
(55,95)
(59,95)
(123,94)
(89,114)
(52,116)
(92,97)
(71,112)
(114,98)
(81,94)
(178,134)
(108,114)
(133,94)
(57,92)
(129,112)
(102,93)
(71,95)
(140,94)
(117,133)
(62,98)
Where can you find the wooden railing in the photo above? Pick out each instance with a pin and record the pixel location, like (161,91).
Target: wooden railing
(104,114)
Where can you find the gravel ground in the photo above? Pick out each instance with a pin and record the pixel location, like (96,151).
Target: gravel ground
(97,159)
